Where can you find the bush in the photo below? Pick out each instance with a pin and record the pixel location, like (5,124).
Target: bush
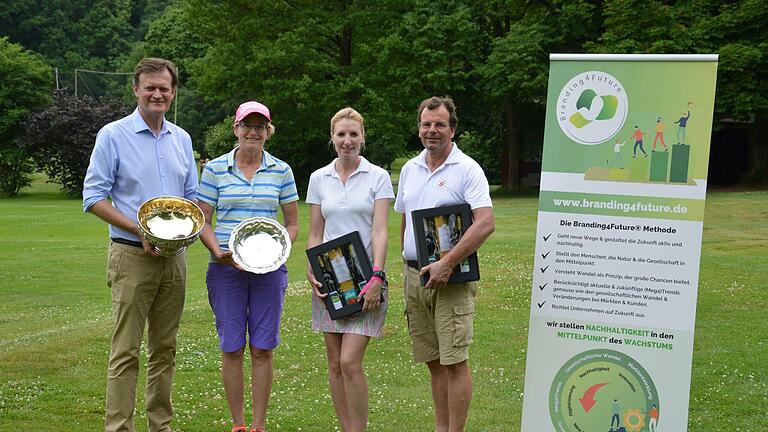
(219,138)
(62,135)
(15,170)
(484,151)
(25,84)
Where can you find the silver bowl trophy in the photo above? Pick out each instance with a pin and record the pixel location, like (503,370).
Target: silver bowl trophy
(260,245)
(170,223)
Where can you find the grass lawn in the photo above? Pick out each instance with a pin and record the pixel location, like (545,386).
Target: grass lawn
(55,326)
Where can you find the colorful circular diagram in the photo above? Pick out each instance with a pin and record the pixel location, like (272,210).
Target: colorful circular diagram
(603,390)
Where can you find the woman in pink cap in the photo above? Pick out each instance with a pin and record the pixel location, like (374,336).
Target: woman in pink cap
(246,182)
(350,194)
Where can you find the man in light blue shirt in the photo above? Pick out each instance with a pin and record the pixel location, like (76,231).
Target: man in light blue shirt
(139,157)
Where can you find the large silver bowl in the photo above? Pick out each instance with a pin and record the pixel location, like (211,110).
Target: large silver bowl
(260,245)
(170,223)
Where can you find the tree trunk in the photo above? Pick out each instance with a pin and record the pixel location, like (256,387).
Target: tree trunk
(510,164)
(757,168)
(345,46)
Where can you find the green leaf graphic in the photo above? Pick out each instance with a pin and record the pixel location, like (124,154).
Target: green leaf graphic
(578,120)
(610,105)
(585,99)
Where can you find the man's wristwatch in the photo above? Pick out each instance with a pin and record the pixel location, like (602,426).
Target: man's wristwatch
(379,273)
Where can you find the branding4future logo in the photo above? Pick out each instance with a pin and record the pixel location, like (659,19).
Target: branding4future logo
(592,107)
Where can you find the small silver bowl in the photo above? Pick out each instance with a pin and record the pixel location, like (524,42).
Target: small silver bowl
(260,245)
(170,223)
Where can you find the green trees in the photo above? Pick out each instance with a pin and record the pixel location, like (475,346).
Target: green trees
(738,31)
(296,57)
(25,85)
(308,58)
(85,34)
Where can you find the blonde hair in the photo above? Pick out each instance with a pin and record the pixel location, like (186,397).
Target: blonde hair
(347,113)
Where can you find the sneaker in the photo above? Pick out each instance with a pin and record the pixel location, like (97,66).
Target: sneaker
(239,429)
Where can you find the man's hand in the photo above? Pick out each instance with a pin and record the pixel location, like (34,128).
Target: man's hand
(149,248)
(439,273)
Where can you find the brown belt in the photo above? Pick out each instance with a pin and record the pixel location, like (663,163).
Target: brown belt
(412,264)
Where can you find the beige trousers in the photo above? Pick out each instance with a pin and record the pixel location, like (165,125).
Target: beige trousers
(145,290)
(440,321)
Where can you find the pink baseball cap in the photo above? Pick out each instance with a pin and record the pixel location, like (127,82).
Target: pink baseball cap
(251,107)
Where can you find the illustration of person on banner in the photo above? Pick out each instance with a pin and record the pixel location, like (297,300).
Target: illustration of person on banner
(616,413)
(638,136)
(440,314)
(682,124)
(617,159)
(653,414)
(659,135)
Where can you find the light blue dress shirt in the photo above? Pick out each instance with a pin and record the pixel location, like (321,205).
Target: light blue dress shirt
(130,164)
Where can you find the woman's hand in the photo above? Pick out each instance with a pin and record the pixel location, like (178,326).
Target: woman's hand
(371,293)
(225,258)
(315,285)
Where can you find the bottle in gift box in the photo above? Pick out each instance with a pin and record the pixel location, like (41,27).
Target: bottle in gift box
(456,224)
(449,233)
(343,275)
(430,232)
(329,281)
(336,300)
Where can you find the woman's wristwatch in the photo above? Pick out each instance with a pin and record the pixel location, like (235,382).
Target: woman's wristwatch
(380,274)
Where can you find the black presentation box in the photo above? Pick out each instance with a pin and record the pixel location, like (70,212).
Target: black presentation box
(437,230)
(343,267)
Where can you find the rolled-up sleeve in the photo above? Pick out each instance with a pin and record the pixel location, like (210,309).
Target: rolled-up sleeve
(100,176)
(191,183)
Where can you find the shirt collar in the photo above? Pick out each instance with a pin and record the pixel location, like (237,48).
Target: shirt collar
(453,156)
(330,169)
(140,125)
(267,160)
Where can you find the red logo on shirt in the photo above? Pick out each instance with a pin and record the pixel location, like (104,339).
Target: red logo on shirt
(441,183)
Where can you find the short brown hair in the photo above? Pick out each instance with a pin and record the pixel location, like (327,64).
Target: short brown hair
(435,102)
(154,64)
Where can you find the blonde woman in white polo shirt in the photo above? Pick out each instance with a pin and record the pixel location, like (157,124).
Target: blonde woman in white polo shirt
(350,194)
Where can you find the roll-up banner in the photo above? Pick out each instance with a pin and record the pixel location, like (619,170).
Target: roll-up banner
(618,242)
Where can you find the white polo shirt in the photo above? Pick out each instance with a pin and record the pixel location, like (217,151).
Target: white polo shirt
(458,180)
(349,207)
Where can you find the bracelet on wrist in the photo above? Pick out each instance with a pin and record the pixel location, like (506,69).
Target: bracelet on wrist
(379,274)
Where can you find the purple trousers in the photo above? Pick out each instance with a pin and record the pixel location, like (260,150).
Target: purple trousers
(244,301)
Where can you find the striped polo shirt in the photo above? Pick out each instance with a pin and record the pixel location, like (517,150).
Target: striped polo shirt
(224,187)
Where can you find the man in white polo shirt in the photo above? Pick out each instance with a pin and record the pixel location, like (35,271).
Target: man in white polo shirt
(442,175)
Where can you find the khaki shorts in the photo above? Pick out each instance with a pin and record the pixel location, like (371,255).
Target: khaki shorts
(439,321)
